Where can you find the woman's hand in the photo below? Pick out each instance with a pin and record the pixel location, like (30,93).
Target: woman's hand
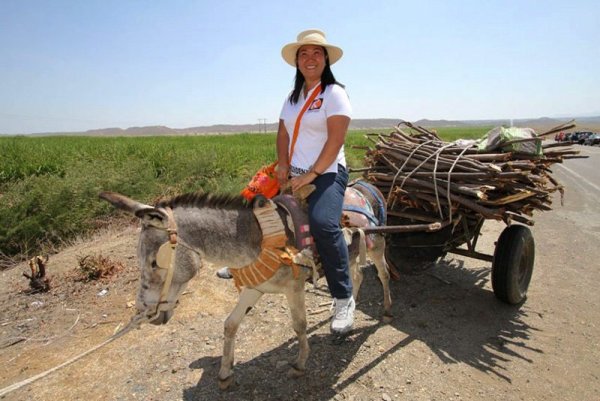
(282,174)
(302,180)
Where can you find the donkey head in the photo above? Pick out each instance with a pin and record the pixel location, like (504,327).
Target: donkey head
(165,263)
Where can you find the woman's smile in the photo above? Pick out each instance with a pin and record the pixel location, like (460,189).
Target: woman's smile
(311,63)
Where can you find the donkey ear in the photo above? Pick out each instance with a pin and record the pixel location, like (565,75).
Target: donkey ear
(153,217)
(124,203)
(149,215)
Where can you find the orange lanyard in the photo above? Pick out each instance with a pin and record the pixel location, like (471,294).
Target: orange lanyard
(308,102)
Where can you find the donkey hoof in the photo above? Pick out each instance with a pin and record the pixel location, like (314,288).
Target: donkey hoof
(387,318)
(225,383)
(295,373)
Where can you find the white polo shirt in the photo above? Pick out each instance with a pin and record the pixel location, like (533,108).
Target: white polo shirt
(313,127)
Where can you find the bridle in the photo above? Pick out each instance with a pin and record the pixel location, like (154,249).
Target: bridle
(165,259)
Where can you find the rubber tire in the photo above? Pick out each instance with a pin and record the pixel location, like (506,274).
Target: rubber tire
(512,266)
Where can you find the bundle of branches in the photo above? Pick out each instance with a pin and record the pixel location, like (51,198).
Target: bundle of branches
(426,179)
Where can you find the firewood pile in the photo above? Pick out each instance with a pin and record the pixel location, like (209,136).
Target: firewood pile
(426,179)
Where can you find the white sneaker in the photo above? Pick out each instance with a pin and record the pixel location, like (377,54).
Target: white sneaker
(343,315)
(224,272)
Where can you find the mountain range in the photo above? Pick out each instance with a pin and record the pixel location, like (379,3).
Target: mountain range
(583,123)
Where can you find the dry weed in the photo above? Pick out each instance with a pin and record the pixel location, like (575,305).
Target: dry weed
(97,267)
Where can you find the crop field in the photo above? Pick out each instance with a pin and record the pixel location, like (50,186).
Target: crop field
(49,185)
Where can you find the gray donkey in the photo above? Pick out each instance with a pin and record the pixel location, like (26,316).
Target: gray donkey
(180,234)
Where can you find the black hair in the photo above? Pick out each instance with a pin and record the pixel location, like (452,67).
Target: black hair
(327,78)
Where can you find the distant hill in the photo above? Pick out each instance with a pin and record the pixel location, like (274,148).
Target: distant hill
(583,123)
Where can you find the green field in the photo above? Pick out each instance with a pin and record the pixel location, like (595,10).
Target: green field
(49,185)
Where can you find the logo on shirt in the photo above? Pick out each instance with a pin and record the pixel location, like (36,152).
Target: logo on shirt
(316,104)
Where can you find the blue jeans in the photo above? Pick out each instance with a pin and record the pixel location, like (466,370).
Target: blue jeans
(324,213)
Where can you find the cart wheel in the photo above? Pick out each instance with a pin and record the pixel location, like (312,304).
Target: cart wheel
(513,264)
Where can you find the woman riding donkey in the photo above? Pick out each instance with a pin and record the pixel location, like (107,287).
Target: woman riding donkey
(180,234)
(317,114)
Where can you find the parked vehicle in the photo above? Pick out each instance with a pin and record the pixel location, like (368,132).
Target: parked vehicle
(574,137)
(583,136)
(579,136)
(592,140)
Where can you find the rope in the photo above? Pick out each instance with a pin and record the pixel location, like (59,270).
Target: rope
(437,155)
(402,167)
(435,187)
(135,322)
(450,179)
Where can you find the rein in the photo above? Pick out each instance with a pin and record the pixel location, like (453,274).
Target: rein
(135,322)
(165,259)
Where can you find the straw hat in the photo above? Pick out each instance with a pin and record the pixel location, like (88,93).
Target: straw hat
(310,37)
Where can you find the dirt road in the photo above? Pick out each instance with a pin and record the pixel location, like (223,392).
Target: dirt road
(450,339)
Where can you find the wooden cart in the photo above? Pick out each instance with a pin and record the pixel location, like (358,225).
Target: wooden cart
(411,248)
(440,193)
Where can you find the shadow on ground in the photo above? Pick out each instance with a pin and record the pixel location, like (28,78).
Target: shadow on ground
(447,309)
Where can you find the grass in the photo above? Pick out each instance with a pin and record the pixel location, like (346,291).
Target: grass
(49,185)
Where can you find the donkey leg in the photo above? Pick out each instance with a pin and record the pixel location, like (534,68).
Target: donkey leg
(295,299)
(247,300)
(378,257)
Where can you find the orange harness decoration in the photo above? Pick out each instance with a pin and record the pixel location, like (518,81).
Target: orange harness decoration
(273,254)
(264,182)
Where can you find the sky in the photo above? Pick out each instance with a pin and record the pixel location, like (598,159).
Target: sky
(77,65)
